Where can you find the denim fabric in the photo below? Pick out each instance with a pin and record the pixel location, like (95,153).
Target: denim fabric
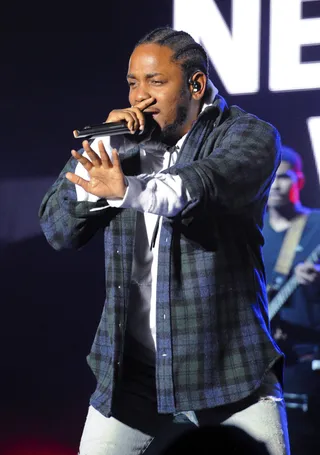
(136,428)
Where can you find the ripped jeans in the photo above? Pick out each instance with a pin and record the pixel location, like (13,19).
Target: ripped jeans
(255,425)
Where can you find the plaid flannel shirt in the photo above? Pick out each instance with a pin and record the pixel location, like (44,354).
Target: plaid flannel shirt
(213,340)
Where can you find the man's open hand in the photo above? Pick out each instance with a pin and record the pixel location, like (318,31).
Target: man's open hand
(106,177)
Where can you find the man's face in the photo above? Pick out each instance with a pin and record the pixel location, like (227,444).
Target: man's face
(286,179)
(152,73)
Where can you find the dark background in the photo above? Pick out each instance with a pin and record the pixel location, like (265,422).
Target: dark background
(51,83)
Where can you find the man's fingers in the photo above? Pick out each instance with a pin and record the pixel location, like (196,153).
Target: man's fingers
(132,121)
(94,158)
(140,107)
(133,116)
(303,281)
(304,277)
(125,115)
(140,118)
(82,159)
(116,159)
(105,159)
(307,277)
(308,266)
(145,103)
(73,178)
(129,116)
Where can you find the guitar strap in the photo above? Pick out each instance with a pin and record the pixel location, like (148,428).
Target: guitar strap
(289,245)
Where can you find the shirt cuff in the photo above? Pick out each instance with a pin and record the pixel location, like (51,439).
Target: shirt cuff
(160,194)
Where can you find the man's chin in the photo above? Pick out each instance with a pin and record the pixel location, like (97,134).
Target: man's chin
(275,204)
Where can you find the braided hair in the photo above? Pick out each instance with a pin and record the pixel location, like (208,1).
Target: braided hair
(186,50)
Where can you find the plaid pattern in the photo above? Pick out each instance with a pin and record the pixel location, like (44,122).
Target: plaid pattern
(213,340)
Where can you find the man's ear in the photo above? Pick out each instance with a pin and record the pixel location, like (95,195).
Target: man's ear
(197,82)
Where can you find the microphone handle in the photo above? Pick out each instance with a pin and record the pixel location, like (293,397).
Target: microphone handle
(104,129)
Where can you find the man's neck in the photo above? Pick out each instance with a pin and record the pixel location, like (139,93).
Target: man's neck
(281,218)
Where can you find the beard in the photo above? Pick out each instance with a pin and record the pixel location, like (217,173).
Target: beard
(170,134)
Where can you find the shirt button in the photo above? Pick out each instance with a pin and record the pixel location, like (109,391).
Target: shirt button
(164,316)
(118,252)
(167,239)
(120,325)
(119,287)
(164,355)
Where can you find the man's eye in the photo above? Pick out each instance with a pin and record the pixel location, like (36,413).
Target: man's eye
(131,84)
(157,82)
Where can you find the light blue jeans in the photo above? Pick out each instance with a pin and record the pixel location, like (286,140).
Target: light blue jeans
(137,430)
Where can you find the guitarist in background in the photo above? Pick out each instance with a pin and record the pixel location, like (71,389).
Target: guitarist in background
(296,326)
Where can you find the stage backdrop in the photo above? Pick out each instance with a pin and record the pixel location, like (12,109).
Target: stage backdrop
(264,56)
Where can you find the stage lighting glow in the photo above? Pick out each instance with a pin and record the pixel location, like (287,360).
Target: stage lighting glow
(288,32)
(314,131)
(235,53)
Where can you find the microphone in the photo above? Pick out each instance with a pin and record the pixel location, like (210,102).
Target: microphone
(151,128)
(104,129)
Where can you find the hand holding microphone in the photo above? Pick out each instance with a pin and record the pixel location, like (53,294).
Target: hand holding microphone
(124,121)
(133,116)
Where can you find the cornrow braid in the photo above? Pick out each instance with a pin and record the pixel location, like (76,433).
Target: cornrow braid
(186,50)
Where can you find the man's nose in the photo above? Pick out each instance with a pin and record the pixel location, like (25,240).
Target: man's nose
(275,183)
(142,93)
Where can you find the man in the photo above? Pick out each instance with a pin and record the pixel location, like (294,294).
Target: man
(184,336)
(296,323)
(284,211)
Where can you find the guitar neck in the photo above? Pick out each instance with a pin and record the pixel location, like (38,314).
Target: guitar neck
(282,296)
(289,287)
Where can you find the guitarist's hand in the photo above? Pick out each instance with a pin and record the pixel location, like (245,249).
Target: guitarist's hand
(307,273)
(279,334)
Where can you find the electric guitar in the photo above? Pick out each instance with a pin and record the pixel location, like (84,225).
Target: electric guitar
(277,302)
